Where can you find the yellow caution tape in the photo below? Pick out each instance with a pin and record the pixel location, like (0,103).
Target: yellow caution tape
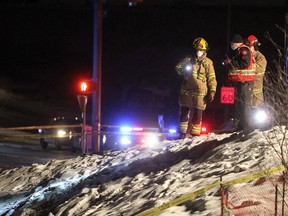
(186,197)
(178,200)
(254,176)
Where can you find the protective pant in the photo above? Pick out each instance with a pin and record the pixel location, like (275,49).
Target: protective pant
(258,98)
(190,120)
(244,91)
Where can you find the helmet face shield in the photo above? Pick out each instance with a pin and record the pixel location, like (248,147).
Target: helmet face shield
(200,44)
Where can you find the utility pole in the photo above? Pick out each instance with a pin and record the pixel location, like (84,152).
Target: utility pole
(285,46)
(224,80)
(228,26)
(97,75)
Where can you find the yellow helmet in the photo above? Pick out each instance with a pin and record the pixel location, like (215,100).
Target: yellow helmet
(200,44)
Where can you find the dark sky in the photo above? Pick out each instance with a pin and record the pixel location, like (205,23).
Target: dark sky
(46,50)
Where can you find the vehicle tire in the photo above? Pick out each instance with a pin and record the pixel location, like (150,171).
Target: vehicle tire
(75,144)
(73,149)
(58,145)
(43,144)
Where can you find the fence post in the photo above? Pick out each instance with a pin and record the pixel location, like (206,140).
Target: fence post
(283,191)
(222,198)
(276,199)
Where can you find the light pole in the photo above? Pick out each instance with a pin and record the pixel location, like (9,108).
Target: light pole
(82,100)
(97,75)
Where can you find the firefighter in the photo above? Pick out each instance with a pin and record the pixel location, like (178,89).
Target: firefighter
(198,87)
(260,64)
(241,74)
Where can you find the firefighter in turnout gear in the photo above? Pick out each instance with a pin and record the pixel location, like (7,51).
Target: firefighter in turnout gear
(241,74)
(260,64)
(198,87)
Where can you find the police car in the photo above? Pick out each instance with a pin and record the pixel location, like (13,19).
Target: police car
(120,137)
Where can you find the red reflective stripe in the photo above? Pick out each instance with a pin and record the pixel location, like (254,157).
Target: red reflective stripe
(239,78)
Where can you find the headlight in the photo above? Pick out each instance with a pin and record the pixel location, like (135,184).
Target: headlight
(125,140)
(61,133)
(151,140)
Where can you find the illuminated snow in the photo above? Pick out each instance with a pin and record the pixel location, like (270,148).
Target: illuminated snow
(130,181)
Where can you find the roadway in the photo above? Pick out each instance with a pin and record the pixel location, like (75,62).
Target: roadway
(22,154)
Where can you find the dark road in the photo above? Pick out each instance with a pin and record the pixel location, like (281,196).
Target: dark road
(16,155)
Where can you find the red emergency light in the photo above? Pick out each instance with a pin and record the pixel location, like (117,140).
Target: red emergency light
(204,129)
(83,86)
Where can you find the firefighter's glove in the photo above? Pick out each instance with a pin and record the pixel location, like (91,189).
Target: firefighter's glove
(186,60)
(211,96)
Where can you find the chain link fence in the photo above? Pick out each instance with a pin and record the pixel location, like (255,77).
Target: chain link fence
(265,196)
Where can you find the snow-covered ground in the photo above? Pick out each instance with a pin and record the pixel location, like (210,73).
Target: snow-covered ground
(131,181)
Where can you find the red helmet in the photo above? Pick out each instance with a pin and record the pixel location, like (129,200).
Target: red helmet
(252,40)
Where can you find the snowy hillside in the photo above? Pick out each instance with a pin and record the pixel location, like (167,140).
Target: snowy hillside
(137,179)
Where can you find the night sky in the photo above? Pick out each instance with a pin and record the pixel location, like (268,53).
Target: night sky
(45,51)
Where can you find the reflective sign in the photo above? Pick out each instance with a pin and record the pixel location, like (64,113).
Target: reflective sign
(227,95)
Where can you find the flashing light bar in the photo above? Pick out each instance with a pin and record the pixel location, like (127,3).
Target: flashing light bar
(137,129)
(129,129)
(126,129)
(172,131)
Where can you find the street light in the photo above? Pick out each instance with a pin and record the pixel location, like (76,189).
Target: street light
(86,87)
